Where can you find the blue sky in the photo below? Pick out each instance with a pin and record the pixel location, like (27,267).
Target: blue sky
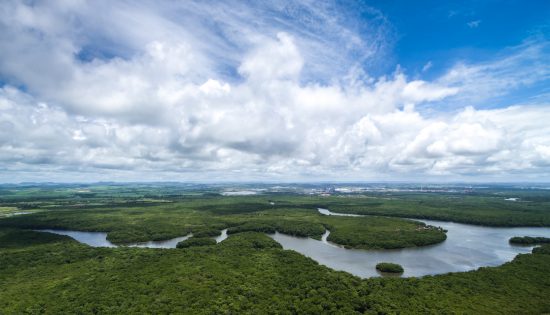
(445,32)
(278,90)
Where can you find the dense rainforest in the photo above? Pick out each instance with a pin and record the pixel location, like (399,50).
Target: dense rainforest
(389,267)
(250,273)
(203,216)
(529,240)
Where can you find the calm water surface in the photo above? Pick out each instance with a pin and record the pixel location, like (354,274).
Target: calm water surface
(222,236)
(171,243)
(95,239)
(99,239)
(467,247)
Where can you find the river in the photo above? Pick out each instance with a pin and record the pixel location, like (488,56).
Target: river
(99,239)
(467,247)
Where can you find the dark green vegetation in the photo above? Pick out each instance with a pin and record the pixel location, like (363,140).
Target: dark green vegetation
(204,216)
(249,273)
(379,232)
(544,249)
(487,208)
(482,205)
(291,227)
(528,240)
(389,267)
(196,241)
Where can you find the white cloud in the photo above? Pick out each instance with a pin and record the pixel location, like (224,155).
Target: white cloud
(474,24)
(427,66)
(421,91)
(518,67)
(215,87)
(273,60)
(163,105)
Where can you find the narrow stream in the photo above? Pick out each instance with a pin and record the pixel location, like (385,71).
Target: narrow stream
(171,243)
(222,236)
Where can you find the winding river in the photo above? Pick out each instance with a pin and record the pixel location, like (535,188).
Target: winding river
(467,247)
(99,239)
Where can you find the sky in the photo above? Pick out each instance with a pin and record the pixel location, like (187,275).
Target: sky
(435,91)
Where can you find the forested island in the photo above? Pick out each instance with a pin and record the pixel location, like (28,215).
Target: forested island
(529,240)
(389,267)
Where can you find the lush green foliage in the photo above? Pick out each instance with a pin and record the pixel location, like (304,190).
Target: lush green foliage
(389,267)
(249,273)
(126,225)
(291,227)
(544,249)
(169,220)
(518,287)
(529,240)
(205,232)
(14,238)
(362,232)
(483,209)
(251,240)
(246,274)
(196,241)
(378,232)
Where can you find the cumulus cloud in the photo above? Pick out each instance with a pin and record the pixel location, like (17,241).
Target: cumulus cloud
(256,92)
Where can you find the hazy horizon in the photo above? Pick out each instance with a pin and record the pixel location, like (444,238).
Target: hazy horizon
(288,182)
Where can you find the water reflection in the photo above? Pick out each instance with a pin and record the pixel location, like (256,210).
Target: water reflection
(99,239)
(171,243)
(222,236)
(95,239)
(467,247)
